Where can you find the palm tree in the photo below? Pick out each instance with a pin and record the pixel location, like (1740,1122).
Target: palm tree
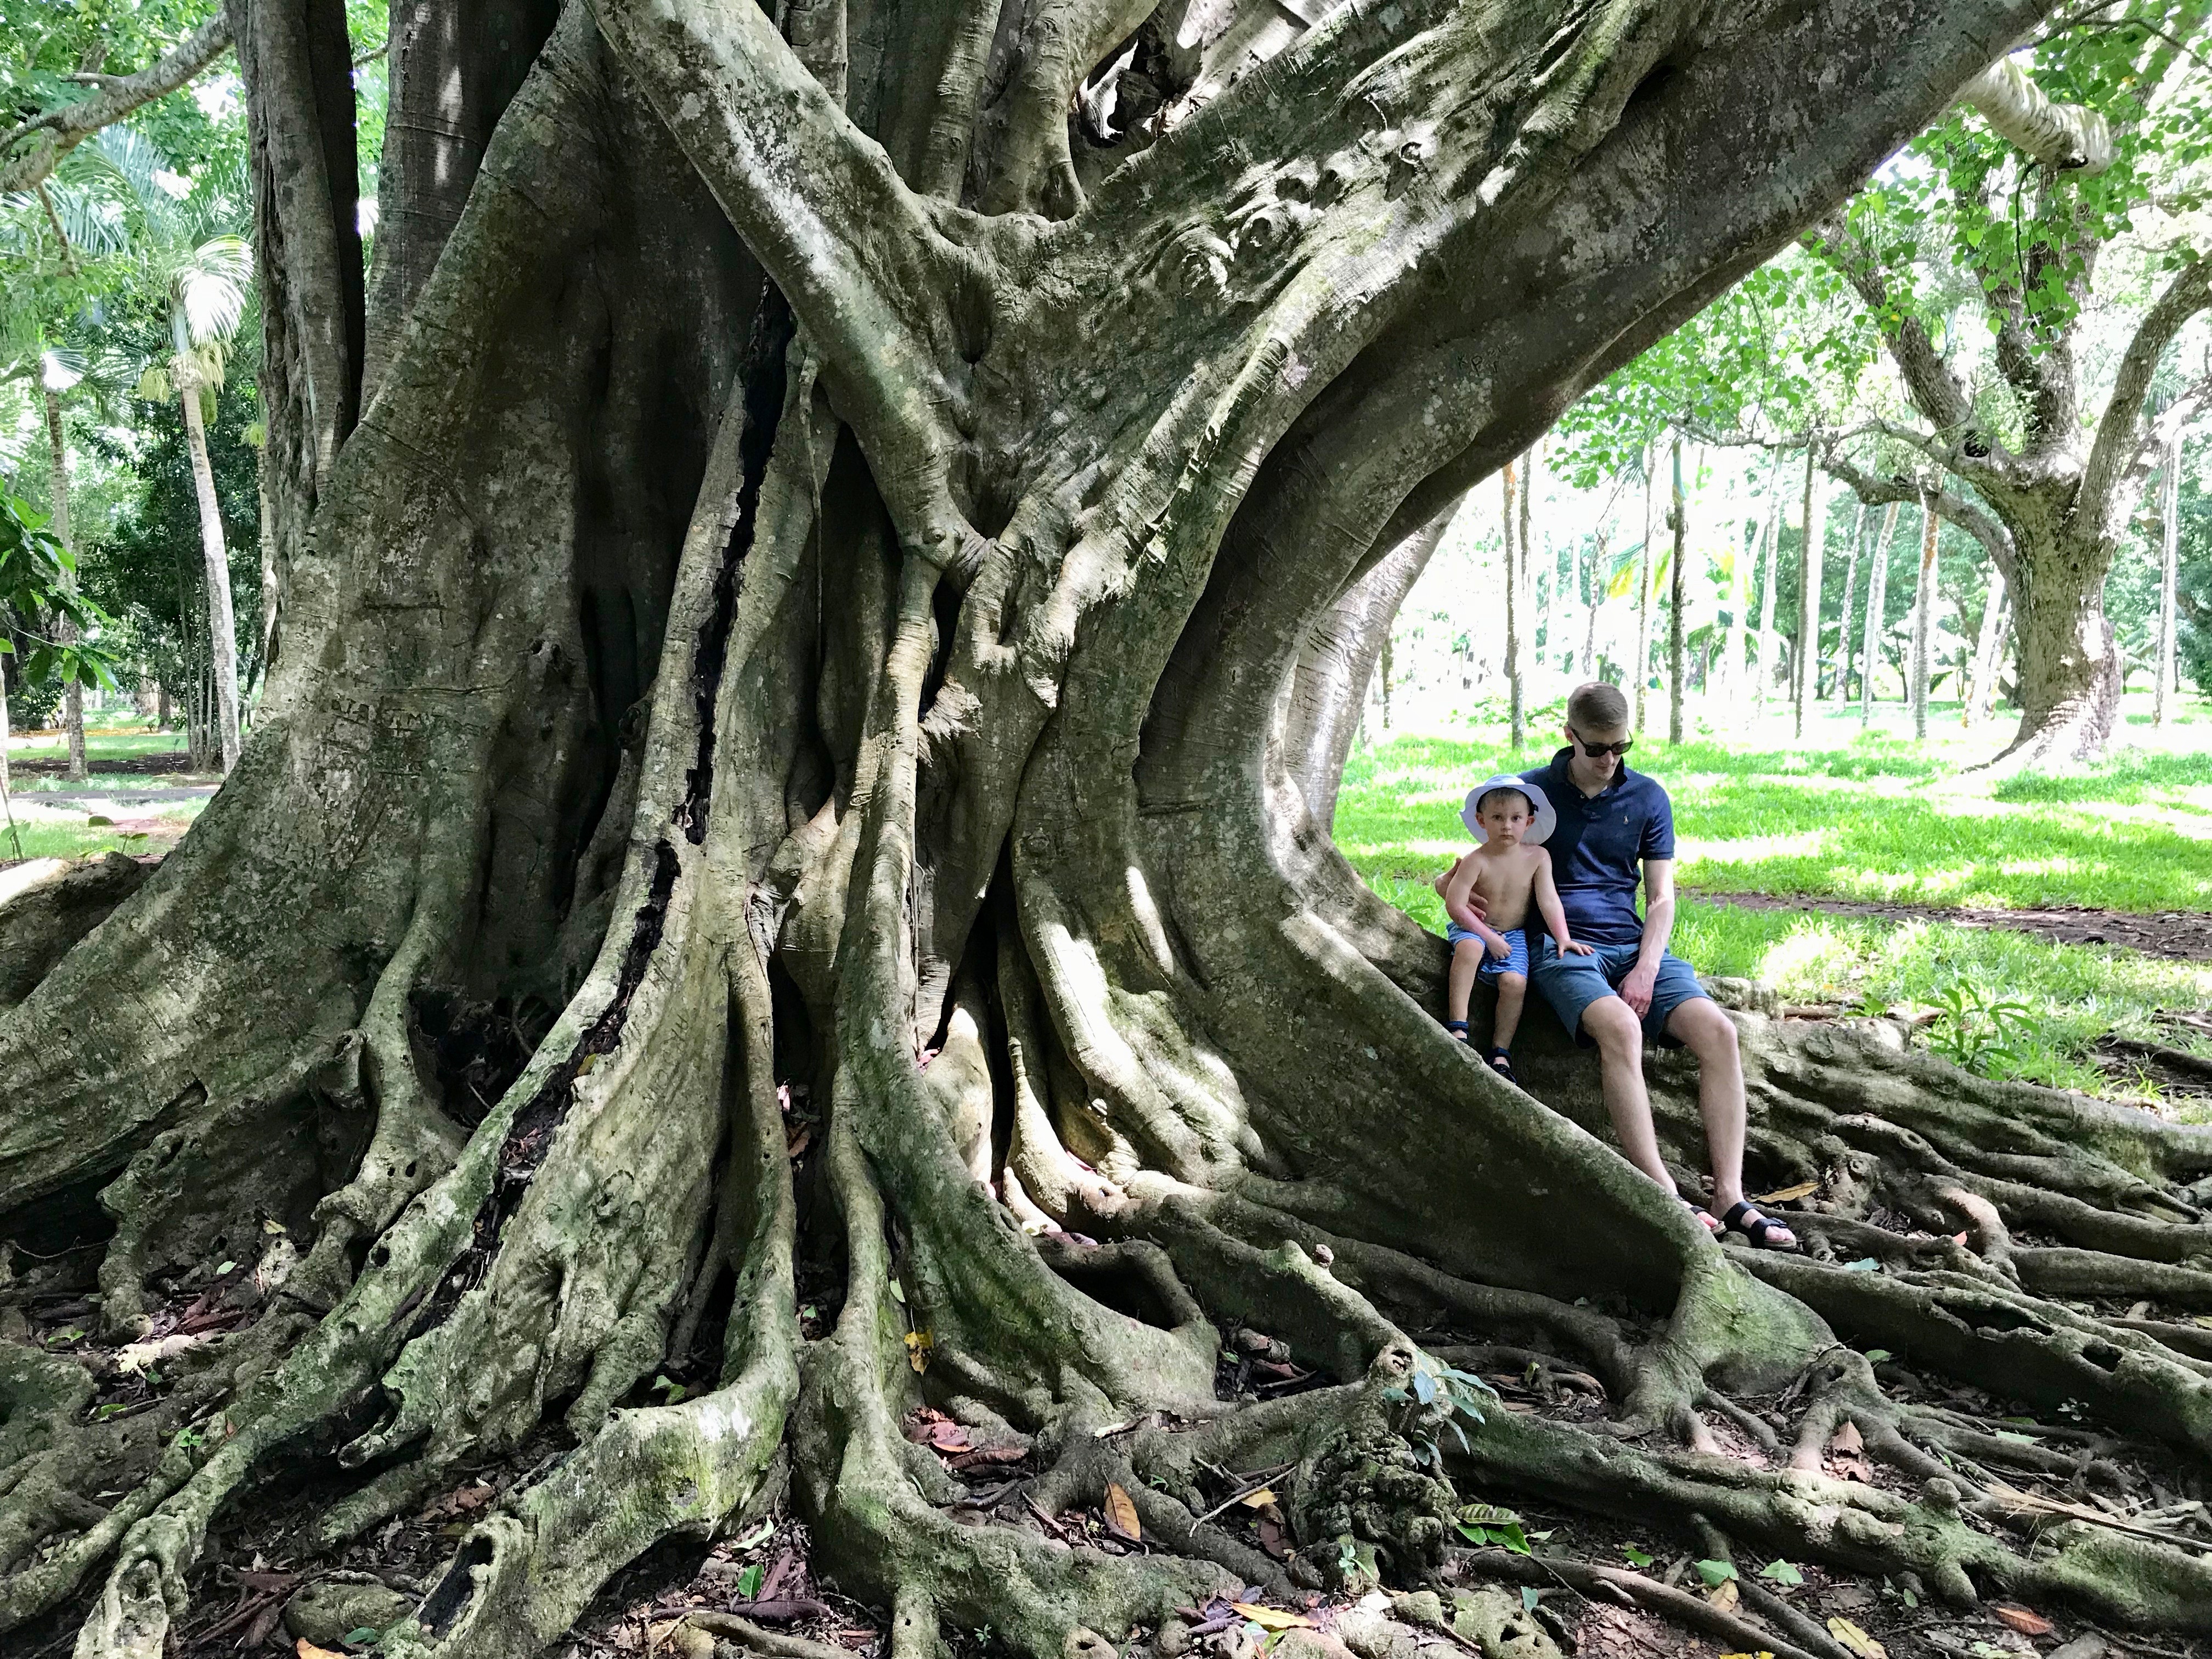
(114,198)
(206,286)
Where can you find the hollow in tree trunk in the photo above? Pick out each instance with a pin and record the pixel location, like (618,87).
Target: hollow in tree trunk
(772,768)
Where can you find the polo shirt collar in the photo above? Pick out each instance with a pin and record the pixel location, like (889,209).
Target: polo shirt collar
(1620,776)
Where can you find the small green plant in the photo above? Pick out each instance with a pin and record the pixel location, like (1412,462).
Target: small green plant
(1435,1397)
(1976,1031)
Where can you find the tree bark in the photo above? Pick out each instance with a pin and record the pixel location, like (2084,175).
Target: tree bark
(1877,613)
(1678,518)
(222,629)
(1924,629)
(31,151)
(57,460)
(2169,564)
(775,768)
(1327,689)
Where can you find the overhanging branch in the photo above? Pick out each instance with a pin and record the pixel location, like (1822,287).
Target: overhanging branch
(2117,433)
(35,149)
(1949,505)
(2069,136)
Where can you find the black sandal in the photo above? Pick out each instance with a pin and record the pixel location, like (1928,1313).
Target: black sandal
(1501,1061)
(1458,1028)
(1745,1220)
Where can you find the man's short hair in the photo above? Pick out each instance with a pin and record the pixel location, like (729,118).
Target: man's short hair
(1490,795)
(1597,707)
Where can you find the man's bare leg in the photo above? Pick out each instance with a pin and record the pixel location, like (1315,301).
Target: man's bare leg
(1699,1026)
(1619,1038)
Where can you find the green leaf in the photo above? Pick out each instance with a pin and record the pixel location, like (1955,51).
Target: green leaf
(1782,1572)
(227,1267)
(748,1582)
(898,1292)
(1529,1596)
(1865,1264)
(756,1537)
(1636,1558)
(1714,1572)
(1875,1356)
(359,1634)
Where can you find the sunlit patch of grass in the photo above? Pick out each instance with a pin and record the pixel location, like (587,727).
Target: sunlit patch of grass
(2077,993)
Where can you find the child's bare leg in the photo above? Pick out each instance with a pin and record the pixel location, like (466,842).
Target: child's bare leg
(1512,992)
(1467,957)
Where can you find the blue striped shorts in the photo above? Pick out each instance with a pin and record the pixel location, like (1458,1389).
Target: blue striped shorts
(1514,962)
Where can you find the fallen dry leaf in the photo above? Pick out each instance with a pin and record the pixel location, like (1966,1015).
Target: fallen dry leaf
(1121,1512)
(1847,1451)
(1785,1194)
(2027,1623)
(305,1650)
(1258,1500)
(1271,1618)
(1856,1639)
(1724,1595)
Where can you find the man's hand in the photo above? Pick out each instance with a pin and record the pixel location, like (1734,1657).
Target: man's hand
(1636,990)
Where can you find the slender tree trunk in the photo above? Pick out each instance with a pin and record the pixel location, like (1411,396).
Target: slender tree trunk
(1989,646)
(1596,593)
(2169,520)
(1841,687)
(222,633)
(1678,601)
(1923,602)
(1769,647)
(73,694)
(1877,613)
(1643,664)
(1510,528)
(1806,658)
(1740,581)
(1528,598)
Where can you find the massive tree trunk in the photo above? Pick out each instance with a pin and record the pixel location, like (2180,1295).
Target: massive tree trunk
(805,622)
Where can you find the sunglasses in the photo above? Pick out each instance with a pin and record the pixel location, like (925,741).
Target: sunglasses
(1593,749)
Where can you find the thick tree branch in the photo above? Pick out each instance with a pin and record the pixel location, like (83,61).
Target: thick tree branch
(1067,38)
(2117,433)
(871,277)
(1935,392)
(2069,137)
(35,149)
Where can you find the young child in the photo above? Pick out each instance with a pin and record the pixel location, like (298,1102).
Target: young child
(1509,819)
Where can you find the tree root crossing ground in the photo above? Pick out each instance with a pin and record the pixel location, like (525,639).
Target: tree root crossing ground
(765,957)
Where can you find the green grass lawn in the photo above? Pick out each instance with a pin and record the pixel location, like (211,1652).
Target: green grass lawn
(53,817)
(1871,817)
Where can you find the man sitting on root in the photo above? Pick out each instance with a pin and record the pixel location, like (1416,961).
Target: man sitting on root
(1632,986)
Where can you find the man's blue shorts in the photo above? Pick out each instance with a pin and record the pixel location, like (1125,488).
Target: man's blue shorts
(1572,983)
(1515,961)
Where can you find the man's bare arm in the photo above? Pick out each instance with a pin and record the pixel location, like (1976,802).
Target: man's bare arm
(1658,911)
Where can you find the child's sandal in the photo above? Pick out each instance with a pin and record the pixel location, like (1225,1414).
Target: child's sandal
(1458,1028)
(1501,1061)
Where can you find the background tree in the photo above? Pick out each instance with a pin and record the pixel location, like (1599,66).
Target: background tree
(805,616)
(2046,428)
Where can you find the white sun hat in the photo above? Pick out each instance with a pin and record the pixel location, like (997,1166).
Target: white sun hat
(1538,832)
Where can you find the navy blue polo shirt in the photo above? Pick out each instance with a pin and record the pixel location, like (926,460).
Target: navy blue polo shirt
(1598,848)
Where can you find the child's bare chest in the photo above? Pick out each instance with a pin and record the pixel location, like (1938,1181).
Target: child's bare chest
(1503,884)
